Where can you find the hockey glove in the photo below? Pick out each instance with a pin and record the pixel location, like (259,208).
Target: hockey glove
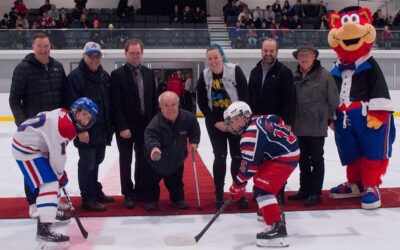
(63,181)
(375,119)
(237,191)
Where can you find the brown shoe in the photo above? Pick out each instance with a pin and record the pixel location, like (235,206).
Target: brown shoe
(94,206)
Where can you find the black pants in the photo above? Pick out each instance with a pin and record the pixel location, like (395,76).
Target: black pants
(142,166)
(173,182)
(312,167)
(219,141)
(90,158)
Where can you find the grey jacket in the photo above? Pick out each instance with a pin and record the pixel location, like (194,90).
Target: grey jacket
(317,98)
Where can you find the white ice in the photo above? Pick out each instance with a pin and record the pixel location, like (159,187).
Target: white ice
(328,229)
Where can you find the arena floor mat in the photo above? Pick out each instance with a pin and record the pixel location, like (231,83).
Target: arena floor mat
(17,207)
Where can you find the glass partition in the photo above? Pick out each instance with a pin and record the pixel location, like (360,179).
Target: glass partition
(109,38)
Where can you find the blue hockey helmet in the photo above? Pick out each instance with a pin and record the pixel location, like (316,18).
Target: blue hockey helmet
(88,105)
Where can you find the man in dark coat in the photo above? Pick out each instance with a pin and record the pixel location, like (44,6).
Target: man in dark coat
(134,103)
(271,88)
(38,84)
(166,145)
(90,80)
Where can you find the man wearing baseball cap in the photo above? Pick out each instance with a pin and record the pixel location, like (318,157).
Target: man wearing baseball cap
(90,80)
(317,98)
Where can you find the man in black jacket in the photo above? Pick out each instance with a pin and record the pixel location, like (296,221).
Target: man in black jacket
(271,88)
(90,80)
(134,103)
(166,146)
(38,84)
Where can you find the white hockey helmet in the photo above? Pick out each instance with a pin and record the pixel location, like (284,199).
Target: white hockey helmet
(235,109)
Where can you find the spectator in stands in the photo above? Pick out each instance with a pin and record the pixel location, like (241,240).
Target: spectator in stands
(276,8)
(285,23)
(96,33)
(5,22)
(377,18)
(323,24)
(54,13)
(262,33)
(20,7)
(269,14)
(21,23)
(286,8)
(322,9)
(237,35)
(35,25)
(76,14)
(396,20)
(299,9)
(188,15)
(245,18)
(176,84)
(200,15)
(63,22)
(240,5)
(217,87)
(258,17)
(387,37)
(176,15)
(166,148)
(84,22)
(38,84)
(134,104)
(296,23)
(89,79)
(230,9)
(80,4)
(47,22)
(251,36)
(317,98)
(45,7)
(309,9)
(123,9)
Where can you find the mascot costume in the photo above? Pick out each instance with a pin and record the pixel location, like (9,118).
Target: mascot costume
(364,127)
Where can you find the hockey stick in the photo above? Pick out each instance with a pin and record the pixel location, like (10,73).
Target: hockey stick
(78,221)
(190,240)
(195,177)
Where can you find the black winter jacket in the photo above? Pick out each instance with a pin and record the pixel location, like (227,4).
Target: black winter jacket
(171,139)
(96,85)
(36,87)
(276,96)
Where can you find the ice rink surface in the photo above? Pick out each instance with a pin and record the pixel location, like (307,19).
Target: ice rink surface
(328,229)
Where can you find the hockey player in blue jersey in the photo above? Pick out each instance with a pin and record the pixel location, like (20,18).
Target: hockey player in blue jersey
(270,154)
(39,147)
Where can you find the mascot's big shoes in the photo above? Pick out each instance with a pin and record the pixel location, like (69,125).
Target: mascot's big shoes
(345,190)
(371,198)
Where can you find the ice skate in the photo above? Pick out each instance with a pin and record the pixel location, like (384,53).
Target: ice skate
(345,190)
(371,198)
(274,236)
(63,217)
(45,233)
(33,213)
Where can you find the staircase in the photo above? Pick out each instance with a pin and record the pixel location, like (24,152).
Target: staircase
(218,32)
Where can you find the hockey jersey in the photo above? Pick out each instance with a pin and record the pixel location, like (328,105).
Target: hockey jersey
(266,139)
(45,135)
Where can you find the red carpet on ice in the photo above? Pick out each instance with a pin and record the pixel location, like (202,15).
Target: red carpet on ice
(17,207)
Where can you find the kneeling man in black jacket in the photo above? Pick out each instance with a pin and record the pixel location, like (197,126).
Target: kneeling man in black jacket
(166,149)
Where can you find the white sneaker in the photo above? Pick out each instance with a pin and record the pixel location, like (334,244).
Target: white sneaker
(33,213)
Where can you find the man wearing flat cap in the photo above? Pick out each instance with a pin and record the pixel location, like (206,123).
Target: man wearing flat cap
(317,98)
(90,80)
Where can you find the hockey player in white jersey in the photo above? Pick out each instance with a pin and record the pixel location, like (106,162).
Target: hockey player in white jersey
(39,147)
